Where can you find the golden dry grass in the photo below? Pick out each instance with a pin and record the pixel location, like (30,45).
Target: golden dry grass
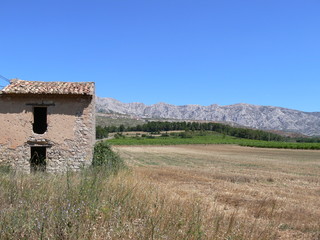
(93,204)
(268,193)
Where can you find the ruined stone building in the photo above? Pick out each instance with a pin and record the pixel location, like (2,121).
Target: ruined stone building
(48,126)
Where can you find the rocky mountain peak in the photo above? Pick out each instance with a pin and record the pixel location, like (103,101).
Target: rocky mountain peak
(254,116)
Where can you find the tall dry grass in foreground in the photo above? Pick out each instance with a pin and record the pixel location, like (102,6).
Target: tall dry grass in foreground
(93,204)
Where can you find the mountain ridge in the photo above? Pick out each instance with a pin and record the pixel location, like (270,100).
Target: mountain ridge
(249,115)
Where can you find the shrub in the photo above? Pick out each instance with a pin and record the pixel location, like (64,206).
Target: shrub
(119,135)
(165,135)
(202,133)
(101,132)
(186,134)
(104,156)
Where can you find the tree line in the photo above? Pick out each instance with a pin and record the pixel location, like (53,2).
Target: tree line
(158,126)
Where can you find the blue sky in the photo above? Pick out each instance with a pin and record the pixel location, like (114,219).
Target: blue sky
(263,52)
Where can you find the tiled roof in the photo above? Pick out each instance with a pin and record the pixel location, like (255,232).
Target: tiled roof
(18,86)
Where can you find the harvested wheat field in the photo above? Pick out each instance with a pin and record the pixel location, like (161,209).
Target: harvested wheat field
(266,193)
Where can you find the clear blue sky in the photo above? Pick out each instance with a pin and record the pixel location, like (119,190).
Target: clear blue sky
(264,52)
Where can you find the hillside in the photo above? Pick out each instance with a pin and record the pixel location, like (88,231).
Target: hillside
(254,116)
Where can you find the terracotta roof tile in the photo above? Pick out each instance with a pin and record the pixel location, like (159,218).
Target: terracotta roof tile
(18,86)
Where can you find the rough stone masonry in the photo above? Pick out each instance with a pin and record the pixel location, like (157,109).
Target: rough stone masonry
(47,124)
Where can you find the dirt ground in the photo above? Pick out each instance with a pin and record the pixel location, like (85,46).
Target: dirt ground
(267,187)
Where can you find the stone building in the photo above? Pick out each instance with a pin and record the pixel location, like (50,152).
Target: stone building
(47,126)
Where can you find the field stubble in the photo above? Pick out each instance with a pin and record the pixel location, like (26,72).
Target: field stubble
(268,193)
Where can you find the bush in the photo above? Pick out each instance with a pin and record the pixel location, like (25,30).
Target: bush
(119,135)
(186,134)
(101,132)
(202,133)
(104,156)
(165,135)
(150,137)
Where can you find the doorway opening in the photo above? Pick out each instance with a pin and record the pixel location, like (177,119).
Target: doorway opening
(39,120)
(38,159)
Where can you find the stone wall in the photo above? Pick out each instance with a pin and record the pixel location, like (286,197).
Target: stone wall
(69,138)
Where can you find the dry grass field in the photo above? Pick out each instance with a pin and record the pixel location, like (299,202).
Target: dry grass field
(262,193)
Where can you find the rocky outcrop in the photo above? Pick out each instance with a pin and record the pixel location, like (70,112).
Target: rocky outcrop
(261,117)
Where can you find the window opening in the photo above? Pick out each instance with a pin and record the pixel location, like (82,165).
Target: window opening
(39,120)
(38,159)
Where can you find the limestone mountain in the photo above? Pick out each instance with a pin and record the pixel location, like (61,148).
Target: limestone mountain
(254,116)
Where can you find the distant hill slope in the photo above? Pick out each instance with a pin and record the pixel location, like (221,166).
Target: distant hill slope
(254,116)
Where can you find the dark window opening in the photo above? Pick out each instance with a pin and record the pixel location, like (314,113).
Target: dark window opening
(39,120)
(38,159)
